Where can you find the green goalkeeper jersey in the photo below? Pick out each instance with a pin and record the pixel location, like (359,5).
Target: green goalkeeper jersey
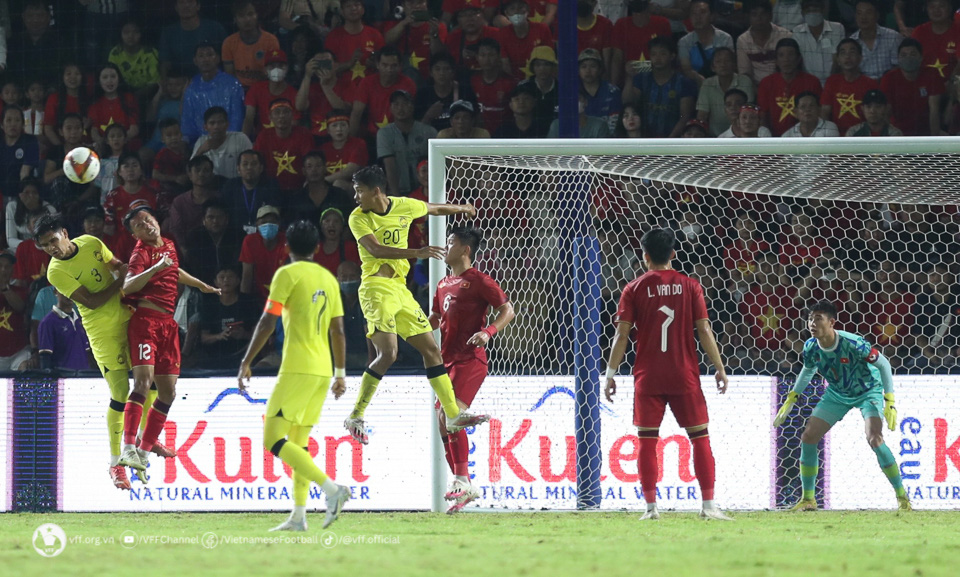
(848,367)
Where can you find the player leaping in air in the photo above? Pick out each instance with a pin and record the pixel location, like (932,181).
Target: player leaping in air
(154,336)
(307,299)
(859,376)
(381,225)
(664,305)
(460,311)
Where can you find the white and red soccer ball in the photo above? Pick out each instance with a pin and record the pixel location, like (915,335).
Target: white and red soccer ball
(81,165)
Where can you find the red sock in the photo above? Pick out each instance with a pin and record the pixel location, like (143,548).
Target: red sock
(647,463)
(446,451)
(460,449)
(131,418)
(703,464)
(156,417)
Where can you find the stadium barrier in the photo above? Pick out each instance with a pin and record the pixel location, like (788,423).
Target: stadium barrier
(54,452)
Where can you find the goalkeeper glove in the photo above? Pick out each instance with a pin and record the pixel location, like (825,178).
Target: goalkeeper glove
(889,411)
(785,409)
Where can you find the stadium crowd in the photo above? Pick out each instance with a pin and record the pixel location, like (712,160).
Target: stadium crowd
(232,118)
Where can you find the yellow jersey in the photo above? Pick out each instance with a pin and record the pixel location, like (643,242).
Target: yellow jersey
(391,229)
(89,267)
(309,298)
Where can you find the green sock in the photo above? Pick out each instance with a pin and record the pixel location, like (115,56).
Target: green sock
(809,466)
(368,388)
(443,387)
(889,467)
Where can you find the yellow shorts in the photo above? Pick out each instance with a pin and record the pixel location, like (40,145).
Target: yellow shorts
(111,352)
(298,398)
(390,308)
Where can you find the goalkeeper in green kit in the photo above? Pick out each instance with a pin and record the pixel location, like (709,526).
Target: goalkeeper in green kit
(858,377)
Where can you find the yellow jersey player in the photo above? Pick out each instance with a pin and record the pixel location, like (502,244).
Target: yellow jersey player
(307,298)
(86,271)
(381,224)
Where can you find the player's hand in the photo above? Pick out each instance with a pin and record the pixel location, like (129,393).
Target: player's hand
(479,339)
(610,390)
(210,289)
(244,373)
(165,262)
(470,210)
(889,411)
(436,252)
(722,381)
(339,387)
(785,409)
(122,269)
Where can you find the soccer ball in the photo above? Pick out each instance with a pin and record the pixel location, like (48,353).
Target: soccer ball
(81,165)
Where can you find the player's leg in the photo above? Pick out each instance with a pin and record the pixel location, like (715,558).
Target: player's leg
(826,414)
(132,414)
(467,377)
(386,347)
(647,415)
(874,430)
(166,372)
(690,411)
(300,435)
(119,388)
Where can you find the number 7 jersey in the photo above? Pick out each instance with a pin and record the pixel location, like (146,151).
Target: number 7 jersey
(662,305)
(390,229)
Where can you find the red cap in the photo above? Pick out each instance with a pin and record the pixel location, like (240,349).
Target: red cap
(275,57)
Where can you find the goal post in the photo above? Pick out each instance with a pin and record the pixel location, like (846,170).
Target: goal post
(547,205)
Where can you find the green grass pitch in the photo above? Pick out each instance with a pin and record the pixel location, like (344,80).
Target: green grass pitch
(502,544)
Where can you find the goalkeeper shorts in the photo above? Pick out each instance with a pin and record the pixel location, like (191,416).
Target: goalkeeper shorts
(832,407)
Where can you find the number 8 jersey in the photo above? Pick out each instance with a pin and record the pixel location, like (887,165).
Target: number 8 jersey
(663,305)
(390,229)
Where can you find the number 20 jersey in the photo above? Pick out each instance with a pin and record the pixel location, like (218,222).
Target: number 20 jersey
(390,229)
(662,306)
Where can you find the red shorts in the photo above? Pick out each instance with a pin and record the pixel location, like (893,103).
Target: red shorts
(467,376)
(154,339)
(690,409)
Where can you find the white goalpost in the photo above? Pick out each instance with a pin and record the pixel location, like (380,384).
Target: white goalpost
(768,226)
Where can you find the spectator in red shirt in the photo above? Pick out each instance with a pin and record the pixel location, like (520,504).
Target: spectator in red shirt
(322,97)
(767,308)
(170,163)
(843,93)
(594,31)
(914,92)
(373,96)
(777,92)
(113,105)
(520,38)
(344,154)
(132,191)
(631,35)
(14,346)
(939,38)
(740,256)
(284,147)
(491,85)
(335,246)
(462,42)
(417,36)
(94,219)
(31,260)
(71,96)
(263,253)
(261,94)
(353,43)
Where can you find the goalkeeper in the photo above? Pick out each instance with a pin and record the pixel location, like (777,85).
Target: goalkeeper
(858,377)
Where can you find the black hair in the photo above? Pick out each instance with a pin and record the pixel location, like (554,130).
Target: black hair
(239,5)
(737,92)
(371,177)
(846,41)
(206,44)
(251,152)
(14,108)
(68,116)
(47,223)
(303,238)
(910,43)
(804,94)
(122,90)
(659,243)
(662,42)
(388,51)
(167,123)
(279,101)
(198,160)
(20,215)
(8,256)
(128,218)
(216,203)
(825,307)
(765,5)
(210,112)
(443,56)
(489,43)
(82,96)
(315,153)
(470,236)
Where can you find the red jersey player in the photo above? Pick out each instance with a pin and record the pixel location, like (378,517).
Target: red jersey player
(152,278)
(663,305)
(460,310)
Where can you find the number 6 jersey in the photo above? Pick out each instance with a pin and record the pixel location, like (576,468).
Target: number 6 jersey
(663,305)
(390,229)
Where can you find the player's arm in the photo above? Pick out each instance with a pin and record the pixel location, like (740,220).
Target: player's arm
(379,251)
(505,314)
(188,279)
(261,334)
(96,300)
(803,379)
(620,343)
(709,344)
(136,282)
(886,380)
(451,209)
(338,344)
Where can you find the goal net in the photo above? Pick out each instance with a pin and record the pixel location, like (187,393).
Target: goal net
(768,228)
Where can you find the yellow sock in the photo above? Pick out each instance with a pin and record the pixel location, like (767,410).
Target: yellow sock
(301,462)
(301,485)
(119,389)
(443,387)
(368,388)
(151,397)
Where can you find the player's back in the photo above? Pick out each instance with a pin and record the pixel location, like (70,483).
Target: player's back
(311,300)
(663,305)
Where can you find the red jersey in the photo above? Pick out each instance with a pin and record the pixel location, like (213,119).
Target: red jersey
(265,261)
(768,315)
(598,36)
(119,202)
(939,50)
(161,290)
(517,50)
(50,117)
(347,251)
(493,99)
(775,96)
(414,44)
(320,107)
(663,306)
(462,303)
(31,262)
(354,151)
(13,333)
(846,99)
(377,99)
(169,162)
(632,40)
(343,44)
(105,112)
(260,97)
(910,101)
(464,50)
(284,156)
(454,6)
(538,9)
